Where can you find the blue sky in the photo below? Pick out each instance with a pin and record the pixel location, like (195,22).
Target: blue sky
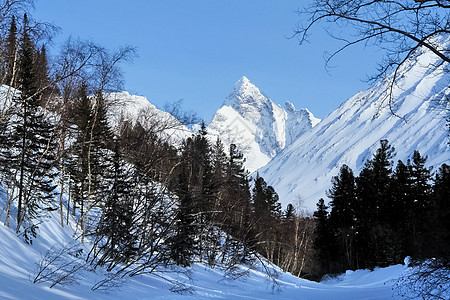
(196,50)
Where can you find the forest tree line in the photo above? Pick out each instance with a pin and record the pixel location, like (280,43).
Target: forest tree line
(385,214)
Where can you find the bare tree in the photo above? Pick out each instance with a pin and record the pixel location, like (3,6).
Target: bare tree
(60,265)
(398,27)
(9,8)
(427,279)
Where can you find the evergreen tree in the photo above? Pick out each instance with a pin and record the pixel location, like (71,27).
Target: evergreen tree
(420,203)
(90,153)
(10,53)
(78,166)
(265,199)
(219,161)
(115,230)
(219,176)
(401,213)
(182,243)
(289,212)
(343,195)
(237,209)
(267,215)
(343,216)
(375,234)
(42,78)
(440,214)
(323,238)
(33,144)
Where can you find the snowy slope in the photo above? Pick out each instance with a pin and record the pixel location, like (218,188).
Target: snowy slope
(257,125)
(351,133)
(137,108)
(18,264)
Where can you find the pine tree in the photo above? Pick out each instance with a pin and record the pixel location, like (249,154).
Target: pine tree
(115,230)
(440,214)
(323,238)
(401,211)
(182,244)
(343,216)
(10,54)
(420,203)
(375,238)
(33,144)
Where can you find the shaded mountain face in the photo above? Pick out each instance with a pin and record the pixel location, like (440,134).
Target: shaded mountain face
(415,119)
(259,127)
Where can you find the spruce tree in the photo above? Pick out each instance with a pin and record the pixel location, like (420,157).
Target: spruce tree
(10,53)
(33,143)
(42,77)
(289,213)
(267,218)
(115,230)
(78,165)
(440,214)
(420,203)
(344,216)
(323,238)
(375,238)
(401,213)
(89,154)
(182,244)
(343,195)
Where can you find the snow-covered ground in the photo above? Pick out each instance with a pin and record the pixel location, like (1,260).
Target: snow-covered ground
(18,263)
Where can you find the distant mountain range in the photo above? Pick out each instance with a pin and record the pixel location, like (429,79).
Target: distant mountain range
(298,154)
(257,125)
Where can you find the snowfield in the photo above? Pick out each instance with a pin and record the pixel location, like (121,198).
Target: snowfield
(18,266)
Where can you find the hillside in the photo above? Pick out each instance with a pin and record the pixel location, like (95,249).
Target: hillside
(19,260)
(351,133)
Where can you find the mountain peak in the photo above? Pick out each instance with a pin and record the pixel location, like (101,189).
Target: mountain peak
(289,107)
(242,82)
(244,93)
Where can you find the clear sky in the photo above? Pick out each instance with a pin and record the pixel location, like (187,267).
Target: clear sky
(196,50)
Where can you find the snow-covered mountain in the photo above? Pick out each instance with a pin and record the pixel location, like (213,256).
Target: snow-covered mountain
(257,125)
(135,108)
(351,133)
